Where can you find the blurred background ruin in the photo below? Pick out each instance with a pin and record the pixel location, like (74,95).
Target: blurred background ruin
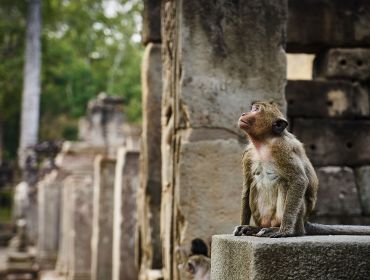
(118,137)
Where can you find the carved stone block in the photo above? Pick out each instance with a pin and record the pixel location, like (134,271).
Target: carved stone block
(351,64)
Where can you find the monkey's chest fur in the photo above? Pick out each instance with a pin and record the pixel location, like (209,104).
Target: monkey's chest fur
(267,195)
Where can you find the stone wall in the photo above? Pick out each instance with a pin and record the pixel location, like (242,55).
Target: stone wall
(218,57)
(331,113)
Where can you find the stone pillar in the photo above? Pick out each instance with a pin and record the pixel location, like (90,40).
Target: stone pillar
(79,245)
(219,57)
(103,125)
(125,215)
(76,158)
(49,199)
(101,265)
(149,197)
(64,230)
(308,257)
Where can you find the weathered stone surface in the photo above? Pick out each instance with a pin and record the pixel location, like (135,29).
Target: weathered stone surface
(79,243)
(65,227)
(320,24)
(334,142)
(229,53)
(337,194)
(49,192)
(149,195)
(309,257)
(103,125)
(151,32)
(103,201)
(218,57)
(77,157)
(207,190)
(327,99)
(352,64)
(125,215)
(363,182)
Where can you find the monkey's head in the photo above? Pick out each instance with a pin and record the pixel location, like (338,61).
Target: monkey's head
(263,120)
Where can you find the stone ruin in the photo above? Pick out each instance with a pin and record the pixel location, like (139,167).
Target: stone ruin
(119,208)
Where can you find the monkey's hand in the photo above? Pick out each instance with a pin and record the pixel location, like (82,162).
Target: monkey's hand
(245,230)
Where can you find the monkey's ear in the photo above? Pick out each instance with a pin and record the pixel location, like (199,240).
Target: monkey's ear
(279,126)
(199,247)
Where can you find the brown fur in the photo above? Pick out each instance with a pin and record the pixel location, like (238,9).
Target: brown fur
(280,184)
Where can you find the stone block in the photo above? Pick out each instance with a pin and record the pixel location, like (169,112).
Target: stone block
(49,191)
(125,215)
(149,195)
(151,32)
(315,25)
(337,194)
(103,201)
(207,190)
(334,142)
(229,56)
(327,99)
(351,64)
(363,183)
(309,257)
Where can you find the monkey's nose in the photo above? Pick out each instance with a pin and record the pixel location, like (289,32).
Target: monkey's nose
(243,114)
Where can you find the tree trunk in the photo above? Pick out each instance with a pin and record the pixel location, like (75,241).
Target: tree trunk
(31,82)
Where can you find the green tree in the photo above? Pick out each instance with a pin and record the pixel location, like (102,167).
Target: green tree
(87,47)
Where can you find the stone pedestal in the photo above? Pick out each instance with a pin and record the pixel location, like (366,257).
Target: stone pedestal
(310,257)
(101,265)
(49,198)
(125,215)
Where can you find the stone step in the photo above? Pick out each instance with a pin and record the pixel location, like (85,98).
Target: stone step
(308,257)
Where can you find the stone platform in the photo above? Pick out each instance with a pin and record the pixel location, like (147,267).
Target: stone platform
(309,257)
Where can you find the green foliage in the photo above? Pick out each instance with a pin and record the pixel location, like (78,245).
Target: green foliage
(86,49)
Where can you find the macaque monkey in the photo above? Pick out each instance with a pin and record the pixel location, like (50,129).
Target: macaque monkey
(197,265)
(280,184)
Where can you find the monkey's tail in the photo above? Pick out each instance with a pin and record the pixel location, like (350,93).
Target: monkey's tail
(319,229)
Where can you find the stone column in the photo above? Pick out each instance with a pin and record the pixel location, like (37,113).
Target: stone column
(79,245)
(125,215)
(218,57)
(76,158)
(150,163)
(101,265)
(49,199)
(308,257)
(65,228)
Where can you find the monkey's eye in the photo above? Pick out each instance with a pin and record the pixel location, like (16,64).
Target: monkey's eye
(255,108)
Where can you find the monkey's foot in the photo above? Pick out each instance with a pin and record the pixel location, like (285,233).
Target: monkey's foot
(268,232)
(245,230)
